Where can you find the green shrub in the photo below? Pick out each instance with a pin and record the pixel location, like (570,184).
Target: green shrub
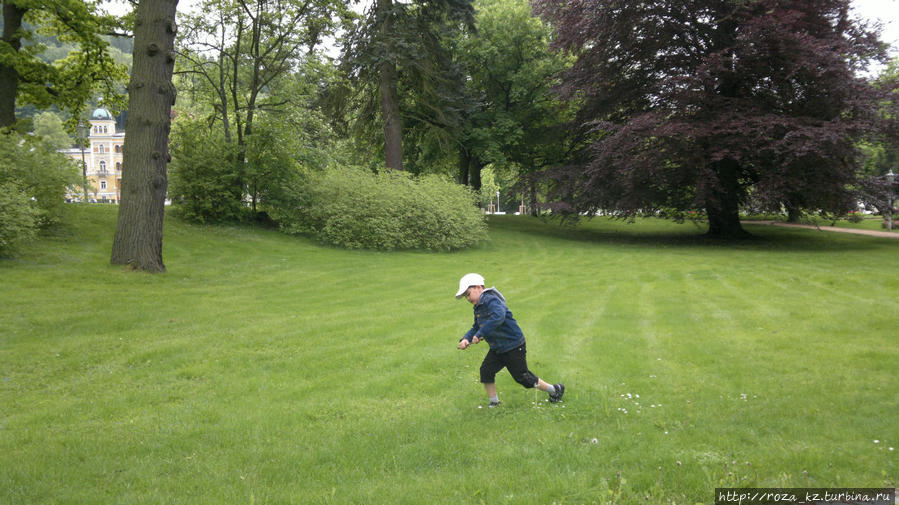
(19,218)
(273,165)
(32,170)
(204,184)
(357,209)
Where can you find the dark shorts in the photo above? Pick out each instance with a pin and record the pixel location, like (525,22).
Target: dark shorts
(515,361)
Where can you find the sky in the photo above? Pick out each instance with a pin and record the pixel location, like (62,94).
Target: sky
(884,11)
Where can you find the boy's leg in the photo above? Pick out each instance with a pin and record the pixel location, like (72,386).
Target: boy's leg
(489,367)
(555,391)
(543,386)
(516,362)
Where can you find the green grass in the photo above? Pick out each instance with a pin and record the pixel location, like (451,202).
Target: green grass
(267,369)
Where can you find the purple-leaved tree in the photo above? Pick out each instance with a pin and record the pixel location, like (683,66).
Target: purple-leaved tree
(696,104)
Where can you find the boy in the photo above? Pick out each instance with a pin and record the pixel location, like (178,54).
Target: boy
(494,323)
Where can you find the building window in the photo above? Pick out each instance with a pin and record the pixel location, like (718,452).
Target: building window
(118,166)
(102,167)
(118,148)
(103,185)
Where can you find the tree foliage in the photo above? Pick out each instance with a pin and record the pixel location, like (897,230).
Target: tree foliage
(49,127)
(67,82)
(245,63)
(398,56)
(245,54)
(690,104)
(515,120)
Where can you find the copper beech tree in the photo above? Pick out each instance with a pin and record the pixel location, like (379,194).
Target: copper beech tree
(694,105)
(151,94)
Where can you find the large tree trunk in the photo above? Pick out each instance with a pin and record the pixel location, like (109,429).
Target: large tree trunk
(138,235)
(725,223)
(474,175)
(793,213)
(9,77)
(390,111)
(390,101)
(464,161)
(723,204)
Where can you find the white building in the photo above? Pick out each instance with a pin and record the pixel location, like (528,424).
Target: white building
(102,160)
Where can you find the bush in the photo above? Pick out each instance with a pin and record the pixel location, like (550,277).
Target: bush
(273,165)
(33,183)
(204,185)
(19,218)
(356,209)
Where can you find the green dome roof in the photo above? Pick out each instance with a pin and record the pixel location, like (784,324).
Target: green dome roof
(102,114)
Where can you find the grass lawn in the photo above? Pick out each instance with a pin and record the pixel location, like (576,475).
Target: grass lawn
(267,369)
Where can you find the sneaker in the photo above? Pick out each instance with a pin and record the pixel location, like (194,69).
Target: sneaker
(560,390)
(493,404)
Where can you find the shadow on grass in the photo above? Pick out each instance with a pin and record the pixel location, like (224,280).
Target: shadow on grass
(654,232)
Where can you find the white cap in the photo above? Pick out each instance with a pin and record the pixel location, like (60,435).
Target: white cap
(468,280)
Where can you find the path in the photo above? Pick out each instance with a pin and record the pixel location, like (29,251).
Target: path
(872,233)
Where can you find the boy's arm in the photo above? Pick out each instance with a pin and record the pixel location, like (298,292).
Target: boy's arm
(470,333)
(470,337)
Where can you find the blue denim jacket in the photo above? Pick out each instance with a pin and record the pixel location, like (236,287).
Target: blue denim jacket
(494,323)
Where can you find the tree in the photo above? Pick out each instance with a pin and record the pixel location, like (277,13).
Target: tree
(691,104)
(245,56)
(138,235)
(516,120)
(881,154)
(68,82)
(244,50)
(399,47)
(49,127)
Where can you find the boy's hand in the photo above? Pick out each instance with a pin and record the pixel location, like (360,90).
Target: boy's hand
(463,344)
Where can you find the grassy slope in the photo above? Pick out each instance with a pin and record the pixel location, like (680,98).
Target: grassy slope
(268,369)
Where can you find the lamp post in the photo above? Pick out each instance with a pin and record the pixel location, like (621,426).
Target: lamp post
(890,178)
(497,200)
(82,135)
